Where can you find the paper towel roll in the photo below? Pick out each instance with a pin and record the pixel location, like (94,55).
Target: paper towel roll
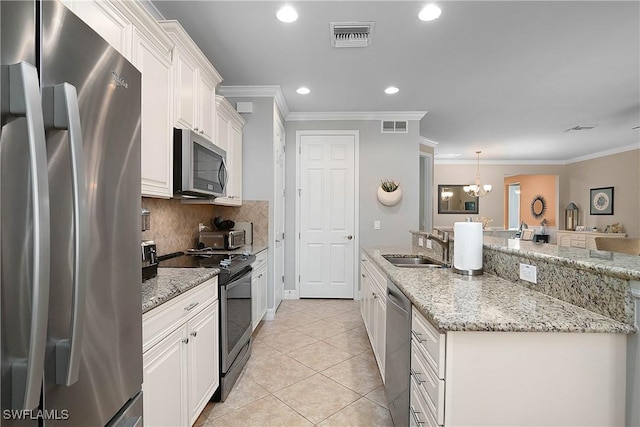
(467,250)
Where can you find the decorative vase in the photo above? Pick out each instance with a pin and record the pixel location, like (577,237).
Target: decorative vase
(389,198)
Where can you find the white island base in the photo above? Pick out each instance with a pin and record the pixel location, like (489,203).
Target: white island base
(534,379)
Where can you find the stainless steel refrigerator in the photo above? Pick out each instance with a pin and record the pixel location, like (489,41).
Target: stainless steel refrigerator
(70,299)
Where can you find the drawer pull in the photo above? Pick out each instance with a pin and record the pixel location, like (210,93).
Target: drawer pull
(191,306)
(414,415)
(417,336)
(194,333)
(416,375)
(185,341)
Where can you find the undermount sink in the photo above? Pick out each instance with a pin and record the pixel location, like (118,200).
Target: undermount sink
(412,262)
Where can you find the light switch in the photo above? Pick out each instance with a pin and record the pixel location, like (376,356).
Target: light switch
(420,241)
(376,224)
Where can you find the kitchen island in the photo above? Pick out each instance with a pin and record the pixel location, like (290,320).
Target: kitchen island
(510,354)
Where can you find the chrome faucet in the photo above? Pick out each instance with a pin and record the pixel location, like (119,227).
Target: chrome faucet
(442,239)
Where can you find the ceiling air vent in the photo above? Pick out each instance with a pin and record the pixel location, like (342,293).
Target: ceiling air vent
(351,34)
(581,127)
(390,126)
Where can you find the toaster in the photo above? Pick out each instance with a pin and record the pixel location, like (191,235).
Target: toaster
(228,239)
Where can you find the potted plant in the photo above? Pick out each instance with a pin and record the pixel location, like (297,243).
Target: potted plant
(389,192)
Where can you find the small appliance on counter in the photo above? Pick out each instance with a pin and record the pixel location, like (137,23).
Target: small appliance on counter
(149,259)
(222,239)
(146,219)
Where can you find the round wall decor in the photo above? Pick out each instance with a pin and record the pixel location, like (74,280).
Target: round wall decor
(538,206)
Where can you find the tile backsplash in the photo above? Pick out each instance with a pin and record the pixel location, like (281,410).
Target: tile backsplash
(174,225)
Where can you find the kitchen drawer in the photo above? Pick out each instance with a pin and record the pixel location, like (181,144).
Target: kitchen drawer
(431,342)
(578,243)
(419,413)
(158,322)
(428,383)
(261,258)
(579,237)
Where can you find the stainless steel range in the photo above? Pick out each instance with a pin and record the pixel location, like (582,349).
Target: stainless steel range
(234,281)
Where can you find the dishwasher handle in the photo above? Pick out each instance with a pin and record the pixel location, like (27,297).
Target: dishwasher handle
(397,298)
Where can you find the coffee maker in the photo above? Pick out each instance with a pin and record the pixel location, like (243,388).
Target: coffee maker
(148,250)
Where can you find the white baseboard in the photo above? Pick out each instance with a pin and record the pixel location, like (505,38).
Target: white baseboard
(270,314)
(291,294)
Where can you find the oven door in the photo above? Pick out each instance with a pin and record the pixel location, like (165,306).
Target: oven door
(235,317)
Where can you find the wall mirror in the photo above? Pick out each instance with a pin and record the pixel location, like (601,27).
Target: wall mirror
(452,199)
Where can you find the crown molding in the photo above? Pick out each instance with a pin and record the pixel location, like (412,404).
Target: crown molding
(257,92)
(428,142)
(498,162)
(356,115)
(624,148)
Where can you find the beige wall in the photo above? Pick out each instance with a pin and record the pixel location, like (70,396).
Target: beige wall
(492,205)
(621,171)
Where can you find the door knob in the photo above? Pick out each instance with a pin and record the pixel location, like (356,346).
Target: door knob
(349,237)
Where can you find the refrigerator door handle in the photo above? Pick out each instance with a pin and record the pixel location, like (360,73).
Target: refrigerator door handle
(62,112)
(24,100)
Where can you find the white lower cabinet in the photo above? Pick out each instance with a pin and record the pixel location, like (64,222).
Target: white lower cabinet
(259,288)
(373,305)
(181,357)
(515,378)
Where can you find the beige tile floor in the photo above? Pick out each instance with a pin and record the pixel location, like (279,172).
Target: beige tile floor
(311,366)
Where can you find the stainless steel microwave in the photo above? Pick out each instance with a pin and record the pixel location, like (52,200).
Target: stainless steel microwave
(199,166)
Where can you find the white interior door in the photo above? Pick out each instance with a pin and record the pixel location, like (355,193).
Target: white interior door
(278,212)
(327,207)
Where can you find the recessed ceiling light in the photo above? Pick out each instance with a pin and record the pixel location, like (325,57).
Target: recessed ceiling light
(429,13)
(391,90)
(303,90)
(287,14)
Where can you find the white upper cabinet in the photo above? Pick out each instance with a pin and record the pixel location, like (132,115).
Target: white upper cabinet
(195,81)
(229,126)
(130,29)
(107,20)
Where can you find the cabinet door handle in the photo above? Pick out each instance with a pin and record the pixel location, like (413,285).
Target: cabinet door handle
(416,375)
(191,306)
(195,129)
(375,296)
(185,341)
(416,335)
(414,415)
(363,275)
(194,333)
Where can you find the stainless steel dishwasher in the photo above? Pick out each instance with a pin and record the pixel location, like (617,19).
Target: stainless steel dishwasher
(398,354)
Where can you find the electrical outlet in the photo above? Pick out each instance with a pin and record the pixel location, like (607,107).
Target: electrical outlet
(529,273)
(429,244)
(420,241)
(376,224)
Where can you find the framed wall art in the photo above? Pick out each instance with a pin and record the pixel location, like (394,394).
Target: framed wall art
(601,201)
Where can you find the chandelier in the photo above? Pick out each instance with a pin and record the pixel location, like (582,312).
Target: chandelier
(477,189)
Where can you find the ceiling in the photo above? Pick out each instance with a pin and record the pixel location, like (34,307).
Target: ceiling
(504,77)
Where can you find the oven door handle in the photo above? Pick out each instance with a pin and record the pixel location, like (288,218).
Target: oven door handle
(235,282)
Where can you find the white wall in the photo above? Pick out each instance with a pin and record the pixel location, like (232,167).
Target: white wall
(393,156)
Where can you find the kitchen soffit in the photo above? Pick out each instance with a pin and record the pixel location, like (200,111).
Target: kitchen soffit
(504,77)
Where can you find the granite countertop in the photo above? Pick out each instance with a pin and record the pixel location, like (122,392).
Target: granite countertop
(454,302)
(615,264)
(171,282)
